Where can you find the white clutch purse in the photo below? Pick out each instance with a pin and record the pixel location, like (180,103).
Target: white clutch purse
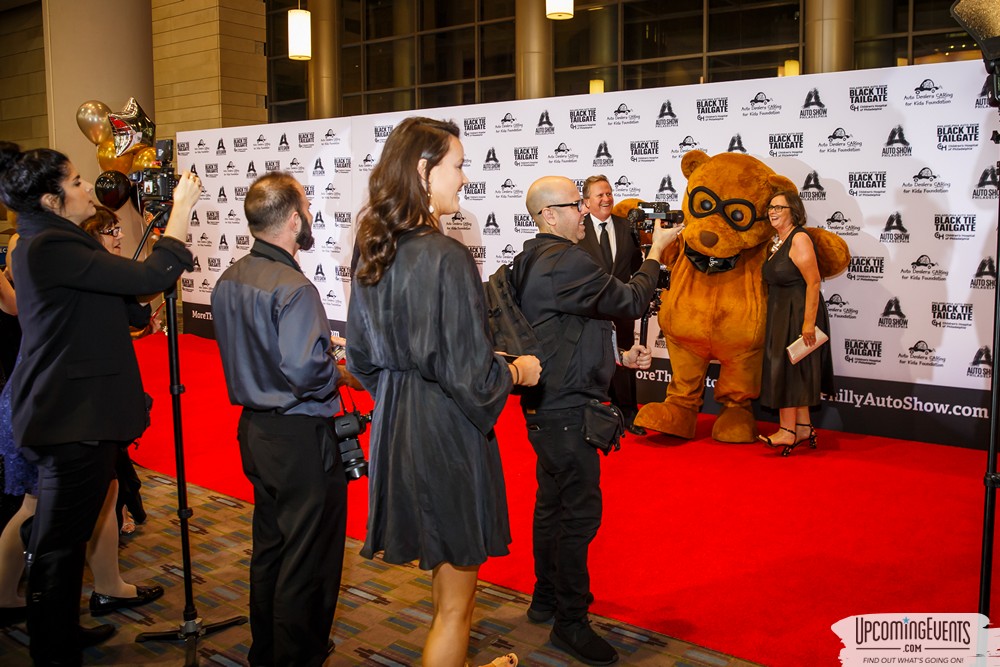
(798,350)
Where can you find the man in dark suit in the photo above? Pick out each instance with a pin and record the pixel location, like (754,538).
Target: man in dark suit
(621,257)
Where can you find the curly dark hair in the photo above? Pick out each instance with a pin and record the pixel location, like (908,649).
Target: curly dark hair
(397,194)
(102,220)
(25,177)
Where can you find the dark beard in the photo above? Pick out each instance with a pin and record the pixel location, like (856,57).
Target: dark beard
(304,239)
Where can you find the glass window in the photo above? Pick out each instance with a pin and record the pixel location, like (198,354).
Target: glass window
(496,9)
(496,43)
(290,111)
(400,100)
(451,95)
(873,53)
(386,18)
(591,38)
(944,47)
(277,34)
(352,105)
(445,13)
(730,29)
(446,56)
(389,64)
(876,19)
(656,29)
(664,73)
(350,29)
(577,82)
(934,14)
(497,90)
(288,79)
(350,70)
(754,65)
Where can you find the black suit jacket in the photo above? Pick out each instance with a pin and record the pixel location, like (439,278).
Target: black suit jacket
(627,261)
(78,379)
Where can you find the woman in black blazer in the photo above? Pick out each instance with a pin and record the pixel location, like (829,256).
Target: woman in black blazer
(77,396)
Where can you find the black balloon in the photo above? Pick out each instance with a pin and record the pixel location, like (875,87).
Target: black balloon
(112,189)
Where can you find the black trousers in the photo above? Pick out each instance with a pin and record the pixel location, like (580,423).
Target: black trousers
(622,392)
(568,509)
(73,482)
(299,527)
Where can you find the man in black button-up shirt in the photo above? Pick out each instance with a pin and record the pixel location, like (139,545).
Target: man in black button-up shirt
(275,344)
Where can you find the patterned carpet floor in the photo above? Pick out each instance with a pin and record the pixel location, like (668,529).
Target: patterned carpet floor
(382,618)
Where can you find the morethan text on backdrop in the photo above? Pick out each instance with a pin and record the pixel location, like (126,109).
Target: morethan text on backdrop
(897,161)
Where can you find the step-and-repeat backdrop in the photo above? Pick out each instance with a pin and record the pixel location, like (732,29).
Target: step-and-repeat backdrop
(897,161)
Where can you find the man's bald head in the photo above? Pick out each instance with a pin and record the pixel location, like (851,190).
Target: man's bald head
(546,203)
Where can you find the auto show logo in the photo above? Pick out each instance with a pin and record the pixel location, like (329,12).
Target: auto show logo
(920,354)
(623,115)
(240,192)
(840,308)
(951,315)
(343,273)
(283,146)
(868,98)
(563,154)
(459,222)
(242,241)
(896,144)
(381,133)
(842,225)
(491,163)
(892,315)
(986,275)
(624,188)
(813,106)
(262,144)
(319,276)
(195,265)
(666,117)
(982,364)
(508,124)
(307,139)
(927,93)
(545,125)
(342,219)
(863,351)
(474,127)
(667,192)
(712,108)
(686,144)
(318,169)
(478,253)
(894,231)
(988,186)
(329,138)
(602,157)
(736,144)
(508,190)
(786,144)
(954,226)
(220,148)
(525,156)
(584,118)
(812,188)
(866,268)
(474,191)
(523,224)
(840,141)
(223,244)
(644,150)
(341,165)
(491,228)
(195,222)
(760,105)
(183,147)
(923,268)
(318,221)
(222,198)
(982,100)
(866,183)
(958,137)
(240,144)
(251,171)
(926,181)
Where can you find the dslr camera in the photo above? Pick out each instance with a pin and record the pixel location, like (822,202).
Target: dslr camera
(156,184)
(347,427)
(642,216)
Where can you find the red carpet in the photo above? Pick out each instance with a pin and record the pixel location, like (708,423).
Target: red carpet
(728,546)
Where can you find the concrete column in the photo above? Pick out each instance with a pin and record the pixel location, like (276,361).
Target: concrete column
(325,99)
(603,42)
(829,36)
(875,18)
(533,62)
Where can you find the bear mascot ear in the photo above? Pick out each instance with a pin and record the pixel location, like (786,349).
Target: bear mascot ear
(777,182)
(691,161)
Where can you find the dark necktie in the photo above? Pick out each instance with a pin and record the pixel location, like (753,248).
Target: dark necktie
(606,246)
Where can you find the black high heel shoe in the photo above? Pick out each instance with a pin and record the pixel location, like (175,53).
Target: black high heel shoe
(767,441)
(811,439)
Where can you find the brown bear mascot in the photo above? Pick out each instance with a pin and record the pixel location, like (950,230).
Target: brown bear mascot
(716,305)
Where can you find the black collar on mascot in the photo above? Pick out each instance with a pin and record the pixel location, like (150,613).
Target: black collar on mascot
(707,264)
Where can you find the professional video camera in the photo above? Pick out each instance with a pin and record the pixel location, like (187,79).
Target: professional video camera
(156,184)
(347,427)
(642,216)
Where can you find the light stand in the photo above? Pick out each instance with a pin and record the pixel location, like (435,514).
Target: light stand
(192,628)
(980,20)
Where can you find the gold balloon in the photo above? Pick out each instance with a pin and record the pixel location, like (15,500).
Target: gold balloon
(144,159)
(92,118)
(109,161)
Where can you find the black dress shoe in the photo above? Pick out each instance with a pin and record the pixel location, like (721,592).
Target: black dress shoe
(584,644)
(105,604)
(12,616)
(635,430)
(93,636)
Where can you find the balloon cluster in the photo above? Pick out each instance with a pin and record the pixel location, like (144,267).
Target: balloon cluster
(126,143)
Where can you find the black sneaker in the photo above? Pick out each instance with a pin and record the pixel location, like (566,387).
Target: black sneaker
(584,644)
